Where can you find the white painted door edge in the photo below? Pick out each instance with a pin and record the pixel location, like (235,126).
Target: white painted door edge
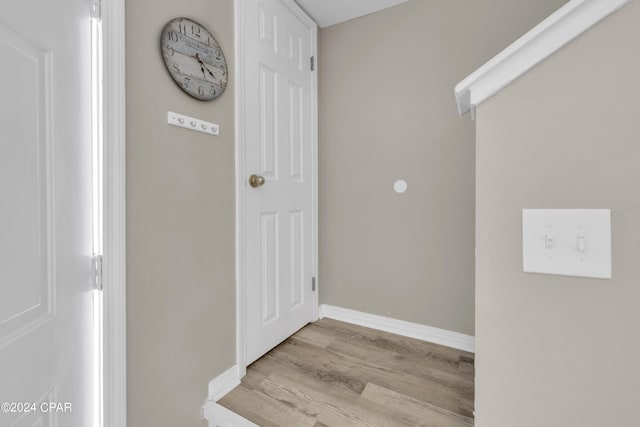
(400,327)
(239,14)
(114,264)
(542,41)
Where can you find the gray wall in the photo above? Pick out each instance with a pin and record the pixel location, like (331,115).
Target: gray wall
(560,351)
(387,112)
(180,231)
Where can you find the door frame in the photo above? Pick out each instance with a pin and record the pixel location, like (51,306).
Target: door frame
(241,173)
(114,216)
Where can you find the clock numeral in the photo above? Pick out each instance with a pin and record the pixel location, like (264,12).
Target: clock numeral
(170,50)
(185,84)
(195,30)
(200,91)
(208,41)
(182,28)
(212,91)
(176,68)
(173,36)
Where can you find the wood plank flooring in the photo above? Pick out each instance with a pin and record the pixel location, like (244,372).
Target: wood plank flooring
(332,373)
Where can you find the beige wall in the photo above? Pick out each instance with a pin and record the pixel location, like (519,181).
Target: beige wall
(560,351)
(387,112)
(180,247)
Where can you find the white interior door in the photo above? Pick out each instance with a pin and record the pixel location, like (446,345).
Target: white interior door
(280,140)
(45,214)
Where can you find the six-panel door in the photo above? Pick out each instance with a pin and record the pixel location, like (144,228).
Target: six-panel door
(279,146)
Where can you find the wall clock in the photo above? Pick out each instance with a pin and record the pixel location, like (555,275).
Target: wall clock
(194,59)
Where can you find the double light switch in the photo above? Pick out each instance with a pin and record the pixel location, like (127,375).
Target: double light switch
(568,242)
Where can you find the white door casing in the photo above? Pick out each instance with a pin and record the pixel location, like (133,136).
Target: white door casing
(277,135)
(114,210)
(45,214)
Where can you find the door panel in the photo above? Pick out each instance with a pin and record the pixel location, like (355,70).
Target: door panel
(45,213)
(280,134)
(296,134)
(296,259)
(270,267)
(268,122)
(25,204)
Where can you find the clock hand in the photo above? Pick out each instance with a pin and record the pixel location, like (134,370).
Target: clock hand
(210,73)
(197,58)
(202,64)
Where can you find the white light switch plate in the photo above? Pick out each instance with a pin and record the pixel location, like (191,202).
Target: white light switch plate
(567,242)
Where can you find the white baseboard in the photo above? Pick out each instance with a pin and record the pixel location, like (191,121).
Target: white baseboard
(219,416)
(400,327)
(223,383)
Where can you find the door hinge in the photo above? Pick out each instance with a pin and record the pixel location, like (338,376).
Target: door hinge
(313,284)
(313,63)
(97,272)
(95,9)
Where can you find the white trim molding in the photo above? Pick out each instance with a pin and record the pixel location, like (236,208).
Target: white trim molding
(542,41)
(314,153)
(114,256)
(400,327)
(217,415)
(223,383)
(239,20)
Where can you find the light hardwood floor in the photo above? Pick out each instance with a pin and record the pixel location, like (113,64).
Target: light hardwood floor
(332,373)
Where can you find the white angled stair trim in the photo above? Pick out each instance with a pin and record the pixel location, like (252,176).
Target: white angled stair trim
(224,383)
(542,41)
(400,327)
(219,416)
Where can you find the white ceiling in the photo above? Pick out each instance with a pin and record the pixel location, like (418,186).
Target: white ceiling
(331,12)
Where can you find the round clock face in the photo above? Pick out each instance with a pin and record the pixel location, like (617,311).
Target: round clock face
(194,59)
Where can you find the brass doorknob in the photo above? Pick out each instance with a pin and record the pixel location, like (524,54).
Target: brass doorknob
(256,180)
